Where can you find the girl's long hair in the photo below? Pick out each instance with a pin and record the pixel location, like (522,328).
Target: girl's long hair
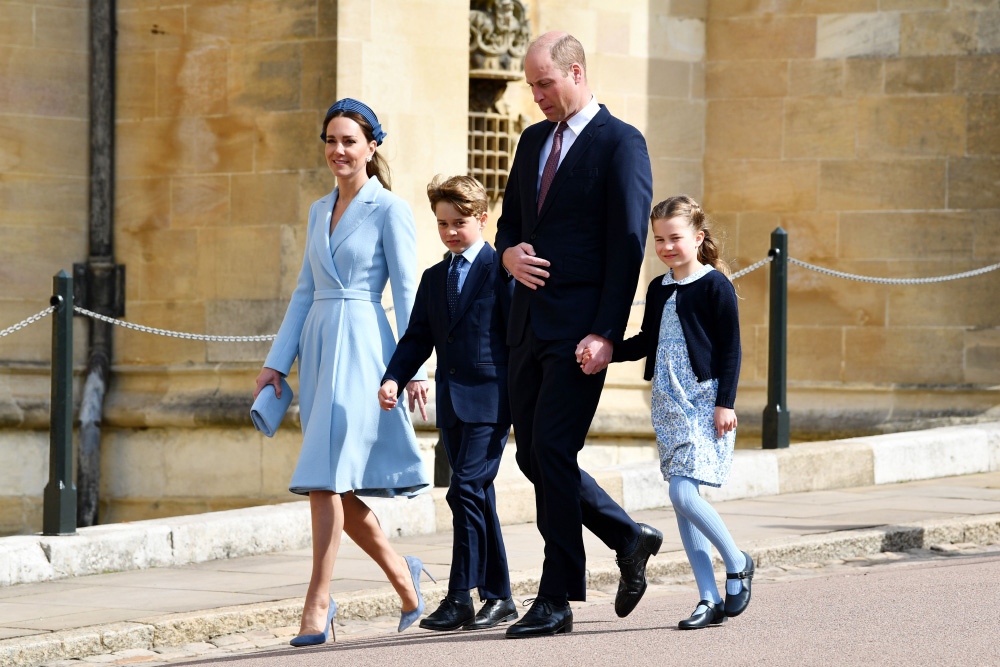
(685,207)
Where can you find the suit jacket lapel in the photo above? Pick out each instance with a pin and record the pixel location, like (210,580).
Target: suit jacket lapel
(577,150)
(321,235)
(473,282)
(438,298)
(357,212)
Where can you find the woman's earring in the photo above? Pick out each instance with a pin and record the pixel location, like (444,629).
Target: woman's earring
(369,159)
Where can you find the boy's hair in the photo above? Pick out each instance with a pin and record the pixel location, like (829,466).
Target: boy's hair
(463,192)
(682,206)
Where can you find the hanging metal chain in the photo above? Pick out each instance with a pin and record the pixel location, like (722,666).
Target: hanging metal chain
(23,323)
(738,274)
(894,281)
(752,267)
(268,337)
(173,334)
(180,334)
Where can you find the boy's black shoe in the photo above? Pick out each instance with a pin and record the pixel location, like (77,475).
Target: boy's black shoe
(450,615)
(494,612)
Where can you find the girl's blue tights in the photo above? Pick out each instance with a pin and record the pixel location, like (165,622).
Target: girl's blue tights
(701,527)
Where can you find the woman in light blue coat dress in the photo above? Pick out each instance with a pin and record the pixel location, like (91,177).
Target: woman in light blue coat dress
(359,237)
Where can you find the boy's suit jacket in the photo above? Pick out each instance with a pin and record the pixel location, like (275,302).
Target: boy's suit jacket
(471,347)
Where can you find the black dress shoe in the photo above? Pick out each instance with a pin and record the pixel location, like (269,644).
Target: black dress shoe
(632,584)
(494,612)
(544,618)
(735,604)
(450,615)
(716,614)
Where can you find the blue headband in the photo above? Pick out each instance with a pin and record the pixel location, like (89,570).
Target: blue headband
(349,104)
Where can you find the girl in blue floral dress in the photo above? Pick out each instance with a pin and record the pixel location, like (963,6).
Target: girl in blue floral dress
(690,338)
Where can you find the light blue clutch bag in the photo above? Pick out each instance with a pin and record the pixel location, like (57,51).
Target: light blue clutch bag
(268,410)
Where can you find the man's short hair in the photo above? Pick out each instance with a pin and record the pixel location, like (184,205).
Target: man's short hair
(463,192)
(564,52)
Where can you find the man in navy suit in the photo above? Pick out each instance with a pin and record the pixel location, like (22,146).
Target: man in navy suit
(461,312)
(572,234)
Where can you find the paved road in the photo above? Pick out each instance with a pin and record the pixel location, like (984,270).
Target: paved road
(915,608)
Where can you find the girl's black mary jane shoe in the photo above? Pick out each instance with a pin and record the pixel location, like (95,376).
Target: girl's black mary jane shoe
(716,613)
(735,604)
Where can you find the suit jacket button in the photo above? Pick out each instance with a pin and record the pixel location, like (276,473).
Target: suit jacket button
(451,339)
(451,371)
(533,236)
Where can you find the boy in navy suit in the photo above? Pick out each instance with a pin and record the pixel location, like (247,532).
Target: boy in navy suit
(460,311)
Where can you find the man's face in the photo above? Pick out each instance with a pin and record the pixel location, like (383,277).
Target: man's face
(558,94)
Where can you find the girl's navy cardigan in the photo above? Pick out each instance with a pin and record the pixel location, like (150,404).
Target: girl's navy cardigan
(711,324)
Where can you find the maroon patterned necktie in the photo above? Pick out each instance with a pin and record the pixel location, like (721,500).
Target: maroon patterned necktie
(549,172)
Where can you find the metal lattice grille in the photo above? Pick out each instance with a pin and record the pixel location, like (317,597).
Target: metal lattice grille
(491,149)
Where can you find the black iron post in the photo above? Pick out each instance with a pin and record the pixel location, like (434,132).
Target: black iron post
(59,510)
(775,428)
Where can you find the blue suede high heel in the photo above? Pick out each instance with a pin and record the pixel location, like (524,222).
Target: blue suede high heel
(323,637)
(407,618)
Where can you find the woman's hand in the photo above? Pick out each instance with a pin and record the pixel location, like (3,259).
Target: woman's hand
(387,394)
(268,376)
(725,420)
(416,391)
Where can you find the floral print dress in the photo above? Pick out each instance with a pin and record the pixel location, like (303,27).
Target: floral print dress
(683,408)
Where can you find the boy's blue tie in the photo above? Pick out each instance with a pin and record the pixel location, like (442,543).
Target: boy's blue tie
(452,287)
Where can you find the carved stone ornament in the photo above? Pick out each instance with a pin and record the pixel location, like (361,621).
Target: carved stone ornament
(499,33)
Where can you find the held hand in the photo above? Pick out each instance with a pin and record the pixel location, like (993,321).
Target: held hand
(387,395)
(268,376)
(527,269)
(593,353)
(725,420)
(416,391)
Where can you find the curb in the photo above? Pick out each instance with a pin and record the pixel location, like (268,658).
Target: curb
(199,626)
(836,464)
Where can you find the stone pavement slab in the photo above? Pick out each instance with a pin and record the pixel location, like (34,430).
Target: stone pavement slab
(666,600)
(801,468)
(171,606)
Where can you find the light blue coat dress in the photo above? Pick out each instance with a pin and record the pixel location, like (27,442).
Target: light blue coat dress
(337,327)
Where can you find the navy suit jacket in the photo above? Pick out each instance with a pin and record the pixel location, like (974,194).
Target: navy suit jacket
(592,228)
(471,348)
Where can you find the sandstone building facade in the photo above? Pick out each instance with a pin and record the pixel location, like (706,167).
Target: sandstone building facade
(868,129)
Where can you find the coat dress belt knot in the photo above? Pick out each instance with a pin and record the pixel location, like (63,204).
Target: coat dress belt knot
(351,294)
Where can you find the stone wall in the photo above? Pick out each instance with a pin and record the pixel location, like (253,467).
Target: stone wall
(219,107)
(871,137)
(43,222)
(43,160)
